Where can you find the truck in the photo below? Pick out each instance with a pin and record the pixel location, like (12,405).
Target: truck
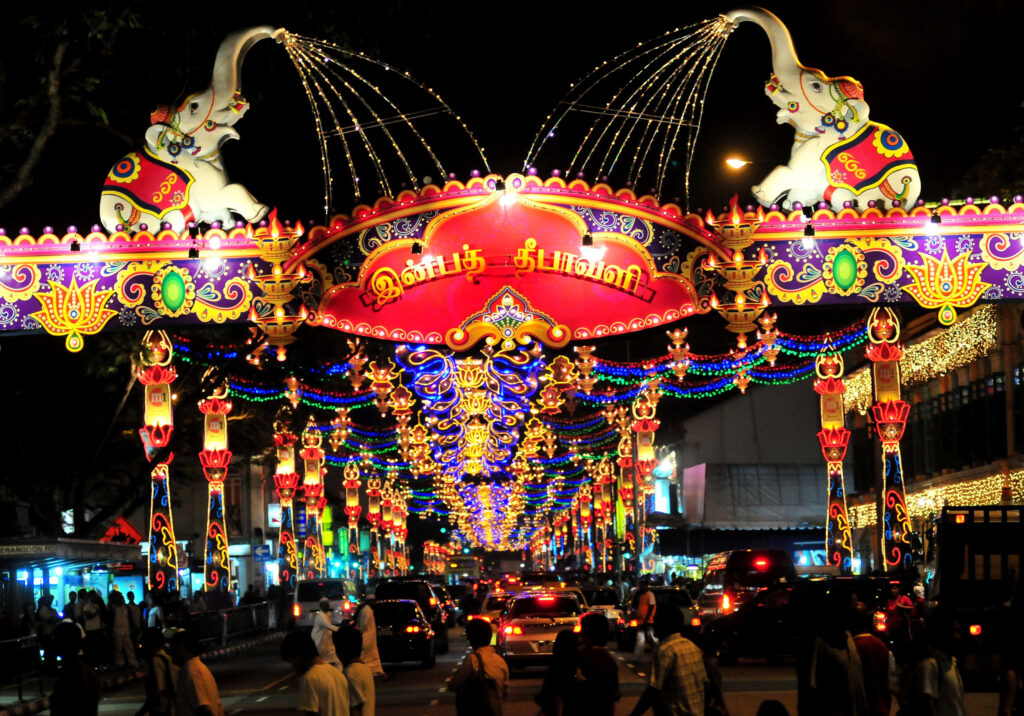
(978,553)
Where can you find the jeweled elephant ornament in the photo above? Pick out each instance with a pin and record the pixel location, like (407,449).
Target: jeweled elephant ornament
(838,154)
(178,177)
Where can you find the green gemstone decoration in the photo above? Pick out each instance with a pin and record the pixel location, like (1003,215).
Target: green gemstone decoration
(844,269)
(172,290)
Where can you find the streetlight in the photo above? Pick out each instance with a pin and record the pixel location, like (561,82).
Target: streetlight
(737,163)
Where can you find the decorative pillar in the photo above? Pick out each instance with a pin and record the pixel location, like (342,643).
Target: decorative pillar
(352,507)
(275,243)
(313,560)
(890,414)
(215,459)
(286,479)
(156,373)
(834,438)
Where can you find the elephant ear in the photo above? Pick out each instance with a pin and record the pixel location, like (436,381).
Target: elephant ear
(850,87)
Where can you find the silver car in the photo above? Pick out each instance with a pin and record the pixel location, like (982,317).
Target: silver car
(527,631)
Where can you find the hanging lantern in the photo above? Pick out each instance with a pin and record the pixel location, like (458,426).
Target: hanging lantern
(768,335)
(834,438)
(313,558)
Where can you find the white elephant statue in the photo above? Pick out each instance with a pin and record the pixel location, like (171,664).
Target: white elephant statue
(838,155)
(178,176)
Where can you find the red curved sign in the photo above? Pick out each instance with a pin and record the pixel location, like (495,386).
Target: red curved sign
(471,255)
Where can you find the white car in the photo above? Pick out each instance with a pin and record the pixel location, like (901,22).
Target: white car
(603,600)
(342,594)
(532,621)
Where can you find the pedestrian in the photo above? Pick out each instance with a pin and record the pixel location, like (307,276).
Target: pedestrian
(76,692)
(45,621)
(367,626)
(876,661)
(196,692)
(71,606)
(644,612)
(600,688)
(27,620)
(95,640)
(560,692)
(836,677)
(161,677)
(155,617)
(678,680)
(362,693)
(121,632)
(83,599)
(482,679)
(898,610)
(134,616)
(714,696)
(250,596)
(323,633)
(323,689)
(937,679)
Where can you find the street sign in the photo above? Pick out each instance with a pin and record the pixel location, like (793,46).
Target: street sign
(261,553)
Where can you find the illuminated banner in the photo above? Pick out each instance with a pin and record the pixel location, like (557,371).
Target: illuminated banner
(504,267)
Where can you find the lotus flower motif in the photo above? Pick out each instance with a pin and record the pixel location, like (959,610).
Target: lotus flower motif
(829,386)
(286,480)
(880,352)
(946,284)
(890,419)
(73,311)
(833,443)
(215,406)
(157,375)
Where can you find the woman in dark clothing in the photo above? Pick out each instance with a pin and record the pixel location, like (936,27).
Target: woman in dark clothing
(559,693)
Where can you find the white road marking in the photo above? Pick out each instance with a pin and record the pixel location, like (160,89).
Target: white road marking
(640,673)
(236,711)
(442,689)
(261,698)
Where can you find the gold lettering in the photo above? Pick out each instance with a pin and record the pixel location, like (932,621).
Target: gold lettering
(473,262)
(386,286)
(524,261)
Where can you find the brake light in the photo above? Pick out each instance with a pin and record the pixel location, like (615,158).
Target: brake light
(412,629)
(880,623)
(761,563)
(695,621)
(975,629)
(433,601)
(726,603)
(296,611)
(960,519)
(545,599)
(634,623)
(513,630)
(578,628)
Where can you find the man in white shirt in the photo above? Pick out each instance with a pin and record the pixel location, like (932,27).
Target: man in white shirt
(362,693)
(196,692)
(323,634)
(323,689)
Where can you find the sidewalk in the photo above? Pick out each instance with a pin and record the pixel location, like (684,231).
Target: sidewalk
(107,683)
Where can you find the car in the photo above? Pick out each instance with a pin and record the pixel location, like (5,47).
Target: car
(424,595)
(530,624)
(772,623)
(603,600)
(342,593)
(664,598)
(447,603)
(540,579)
(733,577)
(403,632)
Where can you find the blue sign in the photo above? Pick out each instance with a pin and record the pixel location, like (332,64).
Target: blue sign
(261,553)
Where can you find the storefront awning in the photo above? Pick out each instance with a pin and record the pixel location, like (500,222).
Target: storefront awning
(65,552)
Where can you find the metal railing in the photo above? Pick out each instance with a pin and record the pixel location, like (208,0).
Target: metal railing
(219,626)
(19,662)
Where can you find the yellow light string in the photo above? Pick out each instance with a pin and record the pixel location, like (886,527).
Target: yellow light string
(963,343)
(986,490)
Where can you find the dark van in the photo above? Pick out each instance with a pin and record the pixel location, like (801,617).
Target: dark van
(732,578)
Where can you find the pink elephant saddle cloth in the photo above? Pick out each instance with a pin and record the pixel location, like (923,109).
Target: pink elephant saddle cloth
(150,185)
(866,160)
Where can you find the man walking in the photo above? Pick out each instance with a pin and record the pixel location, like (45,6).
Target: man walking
(644,614)
(323,634)
(323,689)
(678,680)
(196,693)
(481,681)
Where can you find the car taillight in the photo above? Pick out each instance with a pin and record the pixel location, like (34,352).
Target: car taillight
(880,623)
(578,628)
(634,623)
(975,629)
(513,630)
(695,621)
(761,563)
(296,611)
(412,629)
(726,603)
(433,601)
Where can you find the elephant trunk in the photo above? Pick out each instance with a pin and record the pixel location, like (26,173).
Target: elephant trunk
(227,68)
(784,61)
